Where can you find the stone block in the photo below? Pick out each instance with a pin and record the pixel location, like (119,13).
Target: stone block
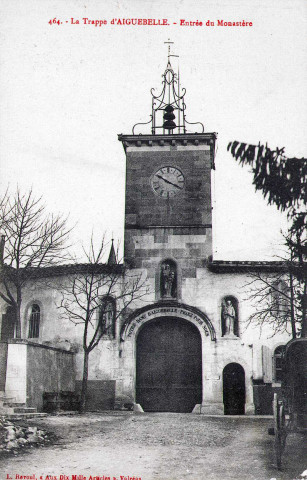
(212,408)
(137,408)
(179,252)
(189,272)
(197,408)
(131,219)
(195,252)
(249,409)
(160,236)
(136,262)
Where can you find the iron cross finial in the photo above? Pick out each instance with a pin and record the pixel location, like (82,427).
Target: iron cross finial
(169,43)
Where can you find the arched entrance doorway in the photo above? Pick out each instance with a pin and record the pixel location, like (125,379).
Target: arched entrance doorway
(168,366)
(234,389)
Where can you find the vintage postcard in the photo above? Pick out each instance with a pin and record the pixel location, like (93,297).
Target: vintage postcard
(152,226)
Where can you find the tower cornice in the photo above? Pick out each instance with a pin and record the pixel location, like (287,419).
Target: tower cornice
(184,139)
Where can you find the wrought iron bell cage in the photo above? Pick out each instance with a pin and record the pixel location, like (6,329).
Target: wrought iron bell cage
(168,108)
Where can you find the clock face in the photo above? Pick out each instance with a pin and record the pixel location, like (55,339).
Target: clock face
(167,182)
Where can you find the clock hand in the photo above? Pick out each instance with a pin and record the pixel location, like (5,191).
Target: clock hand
(170,183)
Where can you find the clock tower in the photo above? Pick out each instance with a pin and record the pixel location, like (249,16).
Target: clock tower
(175,347)
(168,186)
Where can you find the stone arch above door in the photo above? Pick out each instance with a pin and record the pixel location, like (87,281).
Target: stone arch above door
(166,309)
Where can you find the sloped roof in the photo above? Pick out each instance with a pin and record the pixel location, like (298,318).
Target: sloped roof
(70,269)
(222,266)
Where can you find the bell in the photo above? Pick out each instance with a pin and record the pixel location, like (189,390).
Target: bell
(168,118)
(169,125)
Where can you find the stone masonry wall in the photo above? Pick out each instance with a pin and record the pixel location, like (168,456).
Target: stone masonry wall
(48,370)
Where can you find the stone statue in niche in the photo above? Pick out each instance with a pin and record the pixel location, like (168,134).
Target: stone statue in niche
(229,318)
(107,318)
(168,280)
(108,315)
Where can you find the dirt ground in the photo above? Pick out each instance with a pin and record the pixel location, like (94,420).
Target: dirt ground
(155,447)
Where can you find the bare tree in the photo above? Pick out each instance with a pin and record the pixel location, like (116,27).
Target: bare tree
(96,296)
(274,301)
(4,210)
(31,239)
(279,297)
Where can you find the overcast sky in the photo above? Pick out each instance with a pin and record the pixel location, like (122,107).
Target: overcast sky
(68,90)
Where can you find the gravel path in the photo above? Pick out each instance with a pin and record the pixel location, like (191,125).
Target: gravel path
(155,447)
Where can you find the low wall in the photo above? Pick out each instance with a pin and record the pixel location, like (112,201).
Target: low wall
(48,370)
(34,368)
(16,371)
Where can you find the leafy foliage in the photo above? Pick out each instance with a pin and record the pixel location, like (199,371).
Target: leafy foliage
(282,180)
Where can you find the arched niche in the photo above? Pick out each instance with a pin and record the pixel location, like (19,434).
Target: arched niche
(107,317)
(168,279)
(230,317)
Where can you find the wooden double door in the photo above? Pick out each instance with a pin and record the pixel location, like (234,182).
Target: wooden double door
(169,366)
